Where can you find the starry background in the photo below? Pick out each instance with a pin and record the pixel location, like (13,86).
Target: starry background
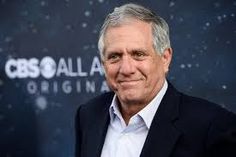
(203,35)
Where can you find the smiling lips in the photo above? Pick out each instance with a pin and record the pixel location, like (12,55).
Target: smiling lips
(128,82)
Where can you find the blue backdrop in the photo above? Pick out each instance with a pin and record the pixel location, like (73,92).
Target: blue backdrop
(49,64)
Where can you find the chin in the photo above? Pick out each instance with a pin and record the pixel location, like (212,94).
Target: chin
(130,97)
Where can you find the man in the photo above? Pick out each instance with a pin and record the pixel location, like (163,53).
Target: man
(145,115)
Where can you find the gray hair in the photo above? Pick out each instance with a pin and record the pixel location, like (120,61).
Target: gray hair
(160,29)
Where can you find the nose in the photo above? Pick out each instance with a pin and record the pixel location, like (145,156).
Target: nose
(127,66)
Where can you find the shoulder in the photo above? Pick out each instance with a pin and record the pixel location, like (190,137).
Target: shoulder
(97,104)
(202,106)
(101,99)
(205,122)
(217,124)
(205,112)
(192,104)
(197,109)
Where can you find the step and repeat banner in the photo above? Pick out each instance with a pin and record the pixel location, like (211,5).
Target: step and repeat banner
(49,64)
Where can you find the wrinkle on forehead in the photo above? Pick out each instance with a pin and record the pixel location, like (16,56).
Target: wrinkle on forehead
(118,34)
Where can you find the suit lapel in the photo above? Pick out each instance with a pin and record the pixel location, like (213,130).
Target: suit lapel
(163,134)
(96,135)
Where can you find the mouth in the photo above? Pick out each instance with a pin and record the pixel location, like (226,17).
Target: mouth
(128,82)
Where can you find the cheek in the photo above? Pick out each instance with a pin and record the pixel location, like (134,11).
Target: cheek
(153,71)
(111,78)
(110,72)
(149,69)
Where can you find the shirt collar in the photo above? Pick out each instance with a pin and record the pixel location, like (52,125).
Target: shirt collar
(147,113)
(114,109)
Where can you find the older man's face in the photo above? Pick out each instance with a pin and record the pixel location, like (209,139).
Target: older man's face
(134,71)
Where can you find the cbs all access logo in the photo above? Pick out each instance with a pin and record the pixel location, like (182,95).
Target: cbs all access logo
(42,75)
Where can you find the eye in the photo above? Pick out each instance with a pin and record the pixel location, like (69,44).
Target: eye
(114,57)
(139,55)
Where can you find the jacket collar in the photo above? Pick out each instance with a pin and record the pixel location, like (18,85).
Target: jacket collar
(163,134)
(97,132)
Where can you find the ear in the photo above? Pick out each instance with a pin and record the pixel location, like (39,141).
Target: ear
(166,58)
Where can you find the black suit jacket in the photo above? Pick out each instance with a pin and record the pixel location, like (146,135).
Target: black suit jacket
(183,126)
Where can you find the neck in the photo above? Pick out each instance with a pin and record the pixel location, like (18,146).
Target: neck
(128,110)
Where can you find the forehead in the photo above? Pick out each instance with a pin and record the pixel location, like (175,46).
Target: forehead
(130,33)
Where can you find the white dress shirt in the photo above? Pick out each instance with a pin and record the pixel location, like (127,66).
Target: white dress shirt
(127,140)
